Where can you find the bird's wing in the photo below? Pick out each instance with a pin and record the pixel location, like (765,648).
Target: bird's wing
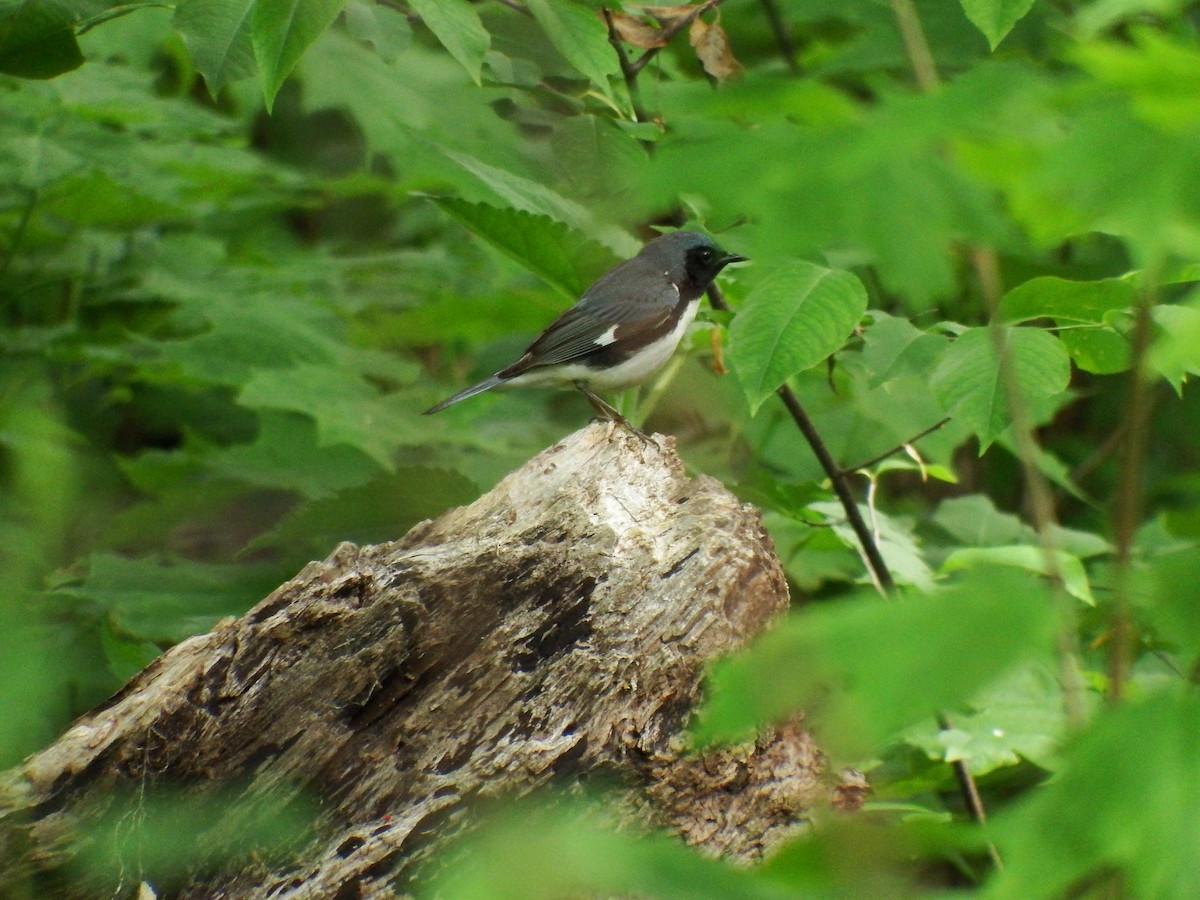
(588,325)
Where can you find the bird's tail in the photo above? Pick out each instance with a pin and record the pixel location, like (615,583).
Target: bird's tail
(474,389)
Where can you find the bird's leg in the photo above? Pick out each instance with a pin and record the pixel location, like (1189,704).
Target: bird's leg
(608,411)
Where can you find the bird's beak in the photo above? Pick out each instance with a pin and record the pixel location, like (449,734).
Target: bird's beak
(733,258)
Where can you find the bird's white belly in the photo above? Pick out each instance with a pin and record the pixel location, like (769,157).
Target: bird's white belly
(632,371)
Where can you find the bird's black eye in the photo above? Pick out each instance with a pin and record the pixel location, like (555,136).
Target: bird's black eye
(706,254)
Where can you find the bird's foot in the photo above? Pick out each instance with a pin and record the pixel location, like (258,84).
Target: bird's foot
(610,413)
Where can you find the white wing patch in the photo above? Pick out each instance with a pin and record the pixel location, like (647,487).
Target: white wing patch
(609,337)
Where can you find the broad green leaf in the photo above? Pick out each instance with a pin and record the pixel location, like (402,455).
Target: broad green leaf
(1169,597)
(1019,717)
(1098,349)
(896,543)
(894,348)
(545,848)
(1175,353)
(1032,559)
(218,35)
(346,408)
(1121,815)
(995,18)
(534,197)
(559,255)
(580,36)
(380,510)
(456,24)
(37,38)
(165,601)
(969,385)
(1067,301)
(877,666)
(795,318)
(281,31)
(1160,74)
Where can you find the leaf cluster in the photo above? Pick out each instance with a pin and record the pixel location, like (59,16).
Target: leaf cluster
(243,243)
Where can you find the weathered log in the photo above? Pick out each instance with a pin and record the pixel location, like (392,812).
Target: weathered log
(559,625)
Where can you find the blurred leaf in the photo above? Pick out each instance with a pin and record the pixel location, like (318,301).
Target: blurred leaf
(218,35)
(376,512)
(1069,301)
(1119,816)
(1020,717)
(1101,350)
(281,31)
(1175,353)
(793,319)
(559,255)
(969,384)
(1030,558)
(869,667)
(165,601)
(457,26)
(579,35)
(995,18)
(711,44)
(893,348)
(37,38)
(566,848)
(1167,592)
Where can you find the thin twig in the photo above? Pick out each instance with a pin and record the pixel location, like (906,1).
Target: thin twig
(782,37)
(849,470)
(970,793)
(1129,491)
(627,70)
(874,559)
(913,35)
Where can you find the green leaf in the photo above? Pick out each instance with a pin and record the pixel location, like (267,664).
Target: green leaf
(877,666)
(969,385)
(580,36)
(37,38)
(380,510)
(1032,559)
(556,253)
(218,35)
(1101,350)
(995,18)
(895,348)
(1067,301)
(346,408)
(1120,817)
(165,601)
(281,31)
(456,24)
(794,319)
(1176,351)
(1019,717)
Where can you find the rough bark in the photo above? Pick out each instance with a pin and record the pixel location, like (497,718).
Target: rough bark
(557,626)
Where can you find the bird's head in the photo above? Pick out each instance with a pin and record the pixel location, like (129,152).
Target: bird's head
(691,259)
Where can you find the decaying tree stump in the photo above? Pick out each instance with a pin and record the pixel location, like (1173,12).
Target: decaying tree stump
(557,626)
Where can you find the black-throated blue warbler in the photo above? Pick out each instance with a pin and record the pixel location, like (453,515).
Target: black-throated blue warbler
(623,329)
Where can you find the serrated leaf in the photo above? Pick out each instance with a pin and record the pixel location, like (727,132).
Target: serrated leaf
(995,18)
(1176,351)
(893,662)
(1020,717)
(795,318)
(281,31)
(37,38)
(1067,301)
(579,35)
(894,348)
(560,256)
(969,385)
(218,35)
(456,24)
(380,510)
(165,601)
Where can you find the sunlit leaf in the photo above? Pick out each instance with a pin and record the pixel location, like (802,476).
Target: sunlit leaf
(793,319)
(281,31)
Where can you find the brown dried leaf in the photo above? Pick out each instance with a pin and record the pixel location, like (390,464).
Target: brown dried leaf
(669,16)
(712,49)
(639,32)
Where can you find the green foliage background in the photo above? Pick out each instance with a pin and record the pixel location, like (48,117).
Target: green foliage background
(243,243)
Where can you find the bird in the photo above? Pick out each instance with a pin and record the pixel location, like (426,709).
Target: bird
(622,329)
